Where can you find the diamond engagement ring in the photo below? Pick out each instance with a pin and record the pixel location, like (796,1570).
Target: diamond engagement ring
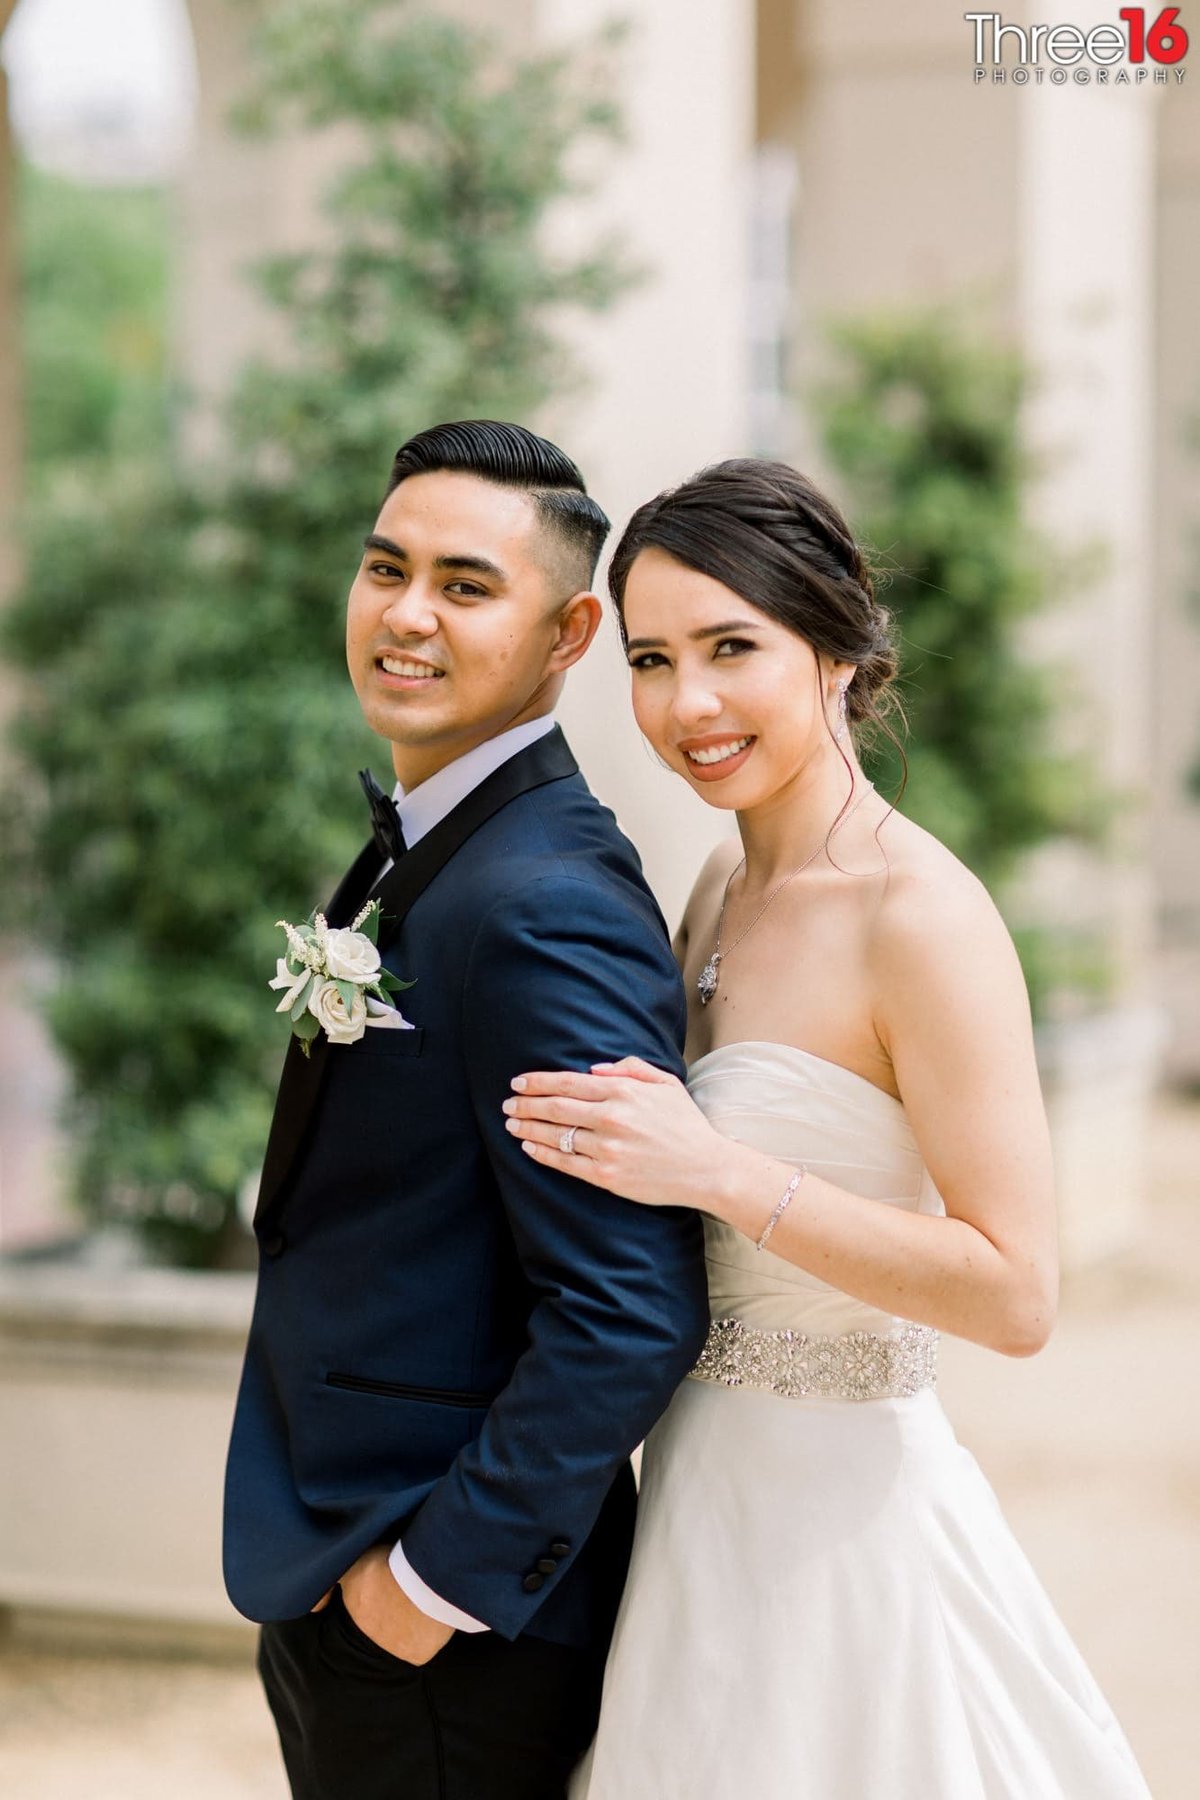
(566,1140)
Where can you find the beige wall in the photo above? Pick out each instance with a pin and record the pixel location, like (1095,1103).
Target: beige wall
(907,172)
(118,1391)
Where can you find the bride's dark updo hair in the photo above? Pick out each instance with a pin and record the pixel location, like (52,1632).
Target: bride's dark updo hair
(763,530)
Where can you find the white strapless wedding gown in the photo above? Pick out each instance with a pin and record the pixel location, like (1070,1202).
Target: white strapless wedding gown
(825,1602)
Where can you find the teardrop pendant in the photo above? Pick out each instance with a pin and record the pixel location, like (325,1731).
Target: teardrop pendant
(706,985)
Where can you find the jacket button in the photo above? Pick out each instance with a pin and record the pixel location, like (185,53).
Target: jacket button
(275,1244)
(548,1565)
(560,1548)
(532,1581)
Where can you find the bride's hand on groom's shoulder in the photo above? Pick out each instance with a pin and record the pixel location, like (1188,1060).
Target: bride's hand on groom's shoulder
(624,1126)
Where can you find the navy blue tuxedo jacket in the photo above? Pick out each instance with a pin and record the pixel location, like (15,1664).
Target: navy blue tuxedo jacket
(450,1342)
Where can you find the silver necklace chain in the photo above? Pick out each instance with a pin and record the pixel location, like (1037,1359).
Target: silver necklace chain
(710,975)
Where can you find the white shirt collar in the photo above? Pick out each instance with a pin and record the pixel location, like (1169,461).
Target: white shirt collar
(430,801)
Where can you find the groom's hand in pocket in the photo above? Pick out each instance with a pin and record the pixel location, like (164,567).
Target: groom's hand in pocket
(380,1607)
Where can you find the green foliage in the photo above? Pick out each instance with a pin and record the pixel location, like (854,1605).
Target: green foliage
(187,738)
(94,302)
(923,425)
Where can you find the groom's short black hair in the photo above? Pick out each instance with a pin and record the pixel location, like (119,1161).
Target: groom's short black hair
(511,456)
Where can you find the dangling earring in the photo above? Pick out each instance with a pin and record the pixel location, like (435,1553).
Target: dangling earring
(843,729)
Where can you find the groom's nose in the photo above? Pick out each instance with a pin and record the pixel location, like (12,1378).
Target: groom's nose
(411,609)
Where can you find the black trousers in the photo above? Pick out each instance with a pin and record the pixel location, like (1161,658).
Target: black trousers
(485,1720)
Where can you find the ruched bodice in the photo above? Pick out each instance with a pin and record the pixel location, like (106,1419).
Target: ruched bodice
(802,1109)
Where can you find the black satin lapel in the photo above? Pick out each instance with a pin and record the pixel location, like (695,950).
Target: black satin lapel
(299,1085)
(355,884)
(300,1080)
(550,759)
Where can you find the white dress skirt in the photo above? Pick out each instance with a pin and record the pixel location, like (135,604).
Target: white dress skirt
(825,1602)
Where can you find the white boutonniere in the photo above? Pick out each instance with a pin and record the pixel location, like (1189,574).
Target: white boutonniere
(332,979)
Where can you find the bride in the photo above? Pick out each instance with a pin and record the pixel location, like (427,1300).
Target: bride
(824,1601)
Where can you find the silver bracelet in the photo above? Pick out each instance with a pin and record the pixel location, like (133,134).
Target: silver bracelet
(784,1203)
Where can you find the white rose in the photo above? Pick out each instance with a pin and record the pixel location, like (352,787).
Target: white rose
(349,956)
(329,1010)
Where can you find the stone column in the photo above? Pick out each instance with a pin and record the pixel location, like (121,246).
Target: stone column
(668,365)
(240,201)
(1087,325)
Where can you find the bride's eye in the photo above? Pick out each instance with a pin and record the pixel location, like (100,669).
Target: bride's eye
(649,659)
(735,646)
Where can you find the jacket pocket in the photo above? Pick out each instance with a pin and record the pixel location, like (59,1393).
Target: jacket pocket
(378,1040)
(401,1390)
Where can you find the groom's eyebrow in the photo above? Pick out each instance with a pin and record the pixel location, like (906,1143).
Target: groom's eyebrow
(477,565)
(373,541)
(697,637)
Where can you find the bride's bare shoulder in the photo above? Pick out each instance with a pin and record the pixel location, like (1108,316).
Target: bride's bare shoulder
(932,909)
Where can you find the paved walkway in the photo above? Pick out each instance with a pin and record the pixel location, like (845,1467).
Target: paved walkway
(1094,1448)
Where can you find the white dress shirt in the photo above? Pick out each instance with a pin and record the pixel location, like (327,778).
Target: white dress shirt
(420,809)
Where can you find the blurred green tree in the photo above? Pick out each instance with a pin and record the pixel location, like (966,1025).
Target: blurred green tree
(922,422)
(94,271)
(186,737)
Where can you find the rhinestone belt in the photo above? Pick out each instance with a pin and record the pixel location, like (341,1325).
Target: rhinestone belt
(860,1365)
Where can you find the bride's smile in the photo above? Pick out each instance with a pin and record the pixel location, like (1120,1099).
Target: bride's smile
(742,707)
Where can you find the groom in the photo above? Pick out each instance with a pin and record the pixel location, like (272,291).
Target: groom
(454,1350)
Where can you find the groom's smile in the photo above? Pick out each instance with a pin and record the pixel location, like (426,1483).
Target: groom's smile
(462,619)
(399,670)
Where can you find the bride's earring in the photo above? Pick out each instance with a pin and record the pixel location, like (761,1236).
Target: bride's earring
(843,728)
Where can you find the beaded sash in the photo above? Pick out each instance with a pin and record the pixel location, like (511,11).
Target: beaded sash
(859,1365)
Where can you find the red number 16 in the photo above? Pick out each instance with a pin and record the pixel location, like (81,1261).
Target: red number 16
(1167,41)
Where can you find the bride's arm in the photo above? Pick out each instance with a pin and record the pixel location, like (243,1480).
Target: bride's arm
(954,1017)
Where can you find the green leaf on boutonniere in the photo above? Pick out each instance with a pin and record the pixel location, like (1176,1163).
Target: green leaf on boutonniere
(369,926)
(393,983)
(305,1029)
(347,989)
(300,1003)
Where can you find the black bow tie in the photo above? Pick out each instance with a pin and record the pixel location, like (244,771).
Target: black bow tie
(385,820)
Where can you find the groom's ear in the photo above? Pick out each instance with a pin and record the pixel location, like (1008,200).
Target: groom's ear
(578,623)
